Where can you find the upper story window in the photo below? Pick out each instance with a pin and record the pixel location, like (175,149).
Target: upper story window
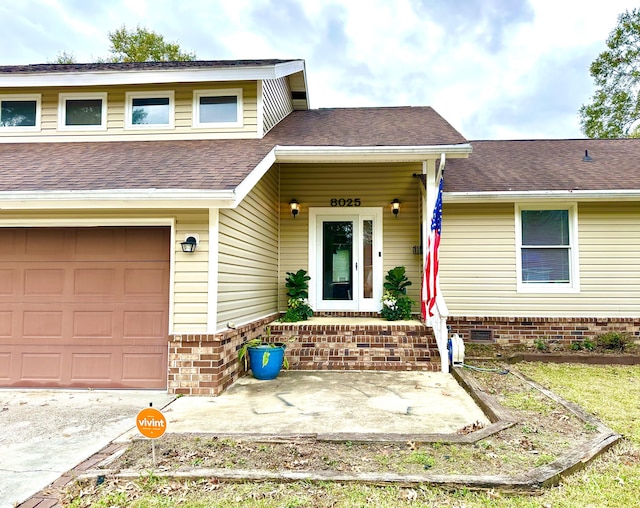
(217,108)
(149,110)
(20,112)
(548,258)
(82,111)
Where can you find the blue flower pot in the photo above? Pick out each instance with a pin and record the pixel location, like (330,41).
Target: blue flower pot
(269,367)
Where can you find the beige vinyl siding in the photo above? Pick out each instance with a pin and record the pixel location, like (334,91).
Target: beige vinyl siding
(116,112)
(376,185)
(248,255)
(276,101)
(478,263)
(478,258)
(190,297)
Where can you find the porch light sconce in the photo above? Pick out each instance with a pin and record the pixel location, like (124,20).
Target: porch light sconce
(295,207)
(395,207)
(190,243)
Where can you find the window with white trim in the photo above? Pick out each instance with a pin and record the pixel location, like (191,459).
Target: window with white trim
(82,111)
(149,110)
(20,112)
(217,108)
(547,253)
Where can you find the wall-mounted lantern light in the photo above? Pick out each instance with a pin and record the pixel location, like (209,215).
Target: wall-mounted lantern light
(295,207)
(190,244)
(395,207)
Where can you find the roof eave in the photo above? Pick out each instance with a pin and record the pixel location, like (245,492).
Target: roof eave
(542,195)
(149,76)
(117,199)
(369,153)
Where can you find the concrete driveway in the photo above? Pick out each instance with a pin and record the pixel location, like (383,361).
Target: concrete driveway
(44,433)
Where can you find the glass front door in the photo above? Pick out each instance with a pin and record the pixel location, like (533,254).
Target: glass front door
(347,257)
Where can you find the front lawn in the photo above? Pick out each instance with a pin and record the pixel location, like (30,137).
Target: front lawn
(612,480)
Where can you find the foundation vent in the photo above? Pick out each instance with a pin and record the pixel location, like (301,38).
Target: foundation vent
(480,336)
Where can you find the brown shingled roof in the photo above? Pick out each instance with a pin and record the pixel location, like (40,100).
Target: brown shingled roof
(136,66)
(536,165)
(209,165)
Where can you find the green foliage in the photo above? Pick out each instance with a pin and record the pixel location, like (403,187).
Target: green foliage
(397,281)
(136,45)
(62,57)
(614,341)
(243,352)
(143,45)
(396,305)
(297,284)
(588,344)
(541,345)
(298,308)
(614,109)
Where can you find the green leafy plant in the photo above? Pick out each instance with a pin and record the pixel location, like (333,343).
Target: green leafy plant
(298,308)
(396,305)
(541,345)
(243,352)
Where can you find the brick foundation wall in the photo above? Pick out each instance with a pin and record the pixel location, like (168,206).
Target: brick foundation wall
(201,364)
(527,330)
(358,347)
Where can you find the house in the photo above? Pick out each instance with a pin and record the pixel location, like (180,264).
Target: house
(147,226)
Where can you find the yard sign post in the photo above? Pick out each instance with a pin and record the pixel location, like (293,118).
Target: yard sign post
(152,424)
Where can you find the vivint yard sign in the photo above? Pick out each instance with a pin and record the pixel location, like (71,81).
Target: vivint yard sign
(151,423)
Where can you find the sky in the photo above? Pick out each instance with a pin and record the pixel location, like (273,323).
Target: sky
(495,69)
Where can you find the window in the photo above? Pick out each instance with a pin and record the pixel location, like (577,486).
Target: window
(82,111)
(217,108)
(149,110)
(20,112)
(547,255)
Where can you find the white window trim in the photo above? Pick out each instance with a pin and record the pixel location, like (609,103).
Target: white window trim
(24,97)
(574,265)
(128,109)
(62,111)
(237,92)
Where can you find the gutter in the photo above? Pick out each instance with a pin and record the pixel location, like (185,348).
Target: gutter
(556,195)
(113,199)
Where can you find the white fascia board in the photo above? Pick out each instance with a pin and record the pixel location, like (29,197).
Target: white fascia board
(101,78)
(369,153)
(114,199)
(254,177)
(512,196)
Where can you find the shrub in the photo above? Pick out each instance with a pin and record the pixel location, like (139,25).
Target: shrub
(614,341)
(396,305)
(298,308)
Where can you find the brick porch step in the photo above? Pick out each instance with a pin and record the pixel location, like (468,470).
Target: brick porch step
(358,346)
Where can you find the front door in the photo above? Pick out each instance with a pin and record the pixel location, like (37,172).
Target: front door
(346,259)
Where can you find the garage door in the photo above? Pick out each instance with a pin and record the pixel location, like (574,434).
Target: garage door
(84,307)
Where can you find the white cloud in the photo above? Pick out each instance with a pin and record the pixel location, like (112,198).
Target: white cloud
(493,69)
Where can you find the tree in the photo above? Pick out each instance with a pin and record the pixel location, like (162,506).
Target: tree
(614,110)
(142,45)
(137,45)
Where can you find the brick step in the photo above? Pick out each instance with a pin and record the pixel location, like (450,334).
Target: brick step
(358,346)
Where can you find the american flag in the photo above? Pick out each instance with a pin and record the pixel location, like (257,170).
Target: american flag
(430,277)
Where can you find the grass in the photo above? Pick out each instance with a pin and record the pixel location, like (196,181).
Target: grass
(612,480)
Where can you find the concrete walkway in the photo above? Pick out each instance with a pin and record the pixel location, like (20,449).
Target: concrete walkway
(44,433)
(321,402)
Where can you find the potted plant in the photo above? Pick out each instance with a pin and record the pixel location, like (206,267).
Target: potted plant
(265,358)
(396,305)
(298,308)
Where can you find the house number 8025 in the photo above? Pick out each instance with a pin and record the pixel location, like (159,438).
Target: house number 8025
(345,202)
